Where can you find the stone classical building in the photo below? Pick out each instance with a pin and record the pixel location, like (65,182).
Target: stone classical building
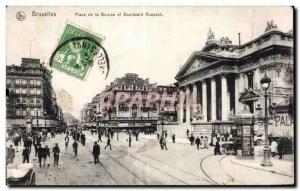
(29,93)
(212,80)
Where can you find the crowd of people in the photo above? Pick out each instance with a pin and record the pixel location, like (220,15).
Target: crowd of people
(43,152)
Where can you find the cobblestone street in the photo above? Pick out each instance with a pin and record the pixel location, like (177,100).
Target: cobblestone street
(144,164)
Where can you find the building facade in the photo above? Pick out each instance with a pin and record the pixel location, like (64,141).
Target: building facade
(133,97)
(213,79)
(29,93)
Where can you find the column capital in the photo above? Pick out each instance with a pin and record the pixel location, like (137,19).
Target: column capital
(212,77)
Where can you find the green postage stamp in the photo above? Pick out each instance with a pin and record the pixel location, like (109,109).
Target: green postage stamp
(77,51)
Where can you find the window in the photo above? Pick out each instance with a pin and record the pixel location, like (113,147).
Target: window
(24,113)
(18,101)
(24,82)
(32,112)
(31,101)
(31,82)
(38,82)
(18,112)
(24,91)
(38,101)
(38,92)
(24,100)
(18,81)
(18,90)
(32,91)
(8,81)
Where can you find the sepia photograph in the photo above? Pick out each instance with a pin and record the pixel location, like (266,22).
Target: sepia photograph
(150,96)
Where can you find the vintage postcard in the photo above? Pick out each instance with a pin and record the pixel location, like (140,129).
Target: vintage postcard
(150,96)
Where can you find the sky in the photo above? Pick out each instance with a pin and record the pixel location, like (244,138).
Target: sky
(152,47)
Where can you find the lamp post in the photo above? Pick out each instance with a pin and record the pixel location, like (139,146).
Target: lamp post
(265,84)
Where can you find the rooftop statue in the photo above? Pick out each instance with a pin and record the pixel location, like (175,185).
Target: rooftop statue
(210,35)
(270,26)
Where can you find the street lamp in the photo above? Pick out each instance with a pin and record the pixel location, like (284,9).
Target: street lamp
(265,84)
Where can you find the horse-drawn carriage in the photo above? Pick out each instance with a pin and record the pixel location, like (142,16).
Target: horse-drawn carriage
(22,175)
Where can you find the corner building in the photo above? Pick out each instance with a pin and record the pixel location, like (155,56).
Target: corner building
(212,80)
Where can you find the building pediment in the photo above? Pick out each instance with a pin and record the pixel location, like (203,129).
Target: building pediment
(199,61)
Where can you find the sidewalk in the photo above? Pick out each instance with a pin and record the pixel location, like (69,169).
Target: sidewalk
(285,168)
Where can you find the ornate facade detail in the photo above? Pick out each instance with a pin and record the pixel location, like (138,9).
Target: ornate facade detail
(197,65)
(270,26)
(210,36)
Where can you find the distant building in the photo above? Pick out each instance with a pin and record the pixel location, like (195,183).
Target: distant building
(29,93)
(214,78)
(69,119)
(132,106)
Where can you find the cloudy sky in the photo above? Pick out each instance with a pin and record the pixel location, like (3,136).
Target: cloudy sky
(153,47)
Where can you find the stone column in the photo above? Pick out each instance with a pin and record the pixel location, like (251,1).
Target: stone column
(117,110)
(225,99)
(256,79)
(181,105)
(239,88)
(194,97)
(204,100)
(188,104)
(213,99)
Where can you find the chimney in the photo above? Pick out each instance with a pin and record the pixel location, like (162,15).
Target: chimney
(239,39)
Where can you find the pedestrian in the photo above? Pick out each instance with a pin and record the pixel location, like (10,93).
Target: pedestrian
(39,153)
(280,148)
(187,132)
(10,154)
(173,138)
(75,148)
(163,143)
(192,139)
(205,144)
(66,141)
(129,140)
(166,133)
(82,139)
(25,155)
(201,142)
(99,136)
(273,148)
(96,152)
(29,143)
(108,143)
(56,152)
(16,143)
(157,136)
(197,141)
(217,148)
(46,154)
(136,136)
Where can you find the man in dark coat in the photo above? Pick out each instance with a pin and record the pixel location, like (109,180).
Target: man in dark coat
(25,154)
(108,143)
(280,148)
(217,148)
(82,139)
(75,147)
(96,152)
(173,138)
(56,152)
(192,139)
(197,141)
(129,140)
(99,136)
